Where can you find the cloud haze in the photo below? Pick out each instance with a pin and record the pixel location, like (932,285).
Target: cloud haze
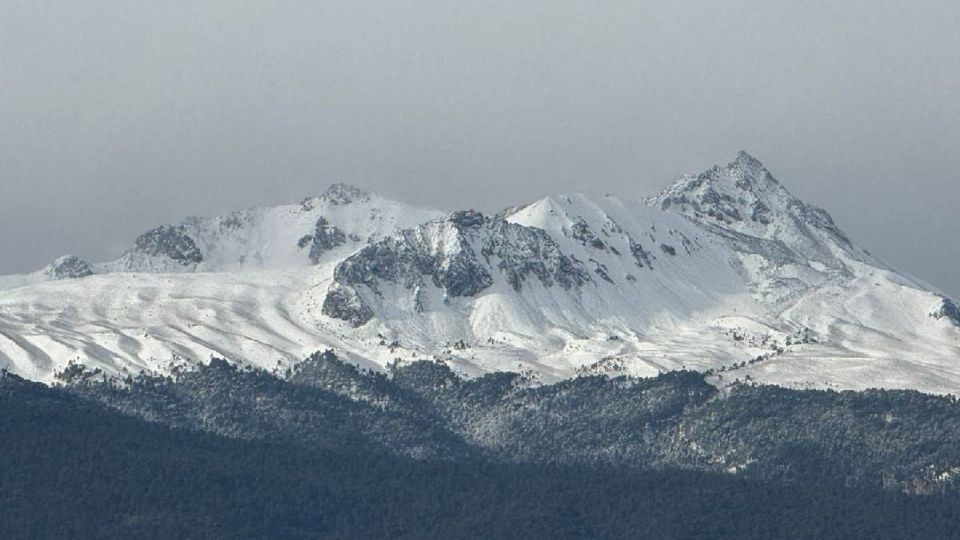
(116,116)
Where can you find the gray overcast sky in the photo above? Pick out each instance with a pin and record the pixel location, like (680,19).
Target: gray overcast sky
(116,116)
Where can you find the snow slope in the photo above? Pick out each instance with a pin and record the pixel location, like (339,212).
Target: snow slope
(723,272)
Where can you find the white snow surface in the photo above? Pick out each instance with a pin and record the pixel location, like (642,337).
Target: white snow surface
(724,272)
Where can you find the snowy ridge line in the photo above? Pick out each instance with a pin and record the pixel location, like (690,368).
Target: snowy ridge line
(724,272)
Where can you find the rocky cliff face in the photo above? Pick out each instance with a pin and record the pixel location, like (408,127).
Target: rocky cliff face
(325,238)
(170,242)
(460,256)
(69,267)
(948,310)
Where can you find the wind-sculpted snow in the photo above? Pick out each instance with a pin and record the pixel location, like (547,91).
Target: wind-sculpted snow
(725,273)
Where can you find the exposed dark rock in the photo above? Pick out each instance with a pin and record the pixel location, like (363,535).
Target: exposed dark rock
(529,251)
(420,300)
(344,303)
(344,194)
(394,259)
(668,249)
(69,267)
(408,257)
(760,213)
(459,256)
(232,222)
(718,205)
(581,231)
(949,310)
(171,242)
(325,238)
(465,219)
(721,197)
(601,270)
(640,255)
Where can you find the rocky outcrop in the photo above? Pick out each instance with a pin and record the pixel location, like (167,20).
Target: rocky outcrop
(743,205)
(948,310)
(581,232)
(342,302)
(522,253)
(642,257)
(460,256)
(325,238)
(171,242)
(69,267)
(344,194)
(743,196)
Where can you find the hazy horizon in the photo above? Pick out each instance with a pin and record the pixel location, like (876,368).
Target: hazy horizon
(119,116)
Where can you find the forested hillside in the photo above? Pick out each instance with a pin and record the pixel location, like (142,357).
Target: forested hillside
(71,468)
(897,440)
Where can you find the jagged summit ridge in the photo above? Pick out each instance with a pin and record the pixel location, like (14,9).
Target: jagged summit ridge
(744,196)
(782,245)
(753,170)
(743,190)
(341,193)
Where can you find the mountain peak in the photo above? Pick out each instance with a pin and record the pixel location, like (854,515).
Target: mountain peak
(745,160)
(743,189)
(341,193)
(743,198)
(749,173)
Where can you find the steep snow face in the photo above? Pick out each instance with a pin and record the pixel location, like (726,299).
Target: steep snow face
(724,272)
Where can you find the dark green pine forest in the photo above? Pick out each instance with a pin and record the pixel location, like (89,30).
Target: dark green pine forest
(329,451)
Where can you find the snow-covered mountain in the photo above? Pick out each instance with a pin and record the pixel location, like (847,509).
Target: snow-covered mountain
(723,272)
